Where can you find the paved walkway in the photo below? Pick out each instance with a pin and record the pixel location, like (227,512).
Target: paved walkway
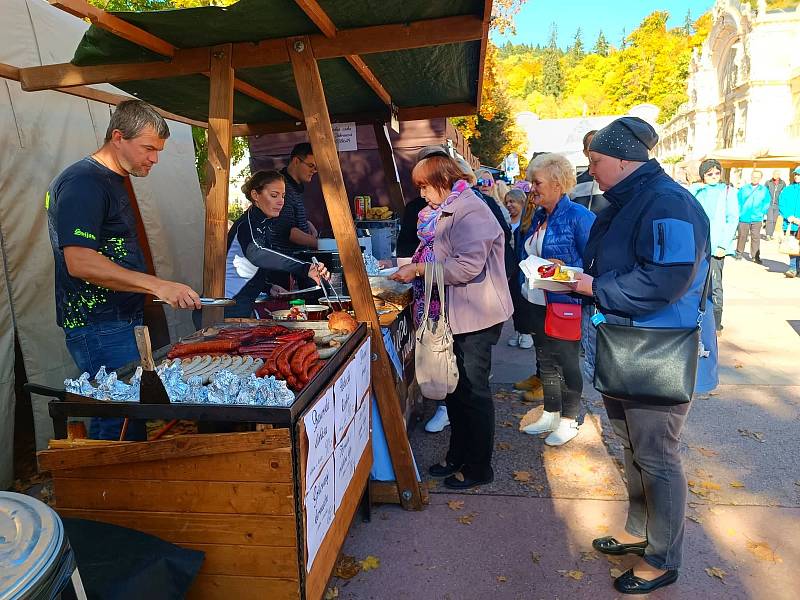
(528,535)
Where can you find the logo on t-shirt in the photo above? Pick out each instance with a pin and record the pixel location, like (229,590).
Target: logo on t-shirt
(84,234)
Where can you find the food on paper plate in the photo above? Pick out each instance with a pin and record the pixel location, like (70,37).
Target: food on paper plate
(556,273)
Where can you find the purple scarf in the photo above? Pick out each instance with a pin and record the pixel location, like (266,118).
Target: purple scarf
(426,231)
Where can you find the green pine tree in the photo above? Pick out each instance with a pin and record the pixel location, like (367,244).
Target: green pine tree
(577,51)
(552,77)
(688,24)
(601,46)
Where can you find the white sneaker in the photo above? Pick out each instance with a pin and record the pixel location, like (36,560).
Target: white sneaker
(513,341)
(547,422)
(438,421)
(525,341)
(566,430)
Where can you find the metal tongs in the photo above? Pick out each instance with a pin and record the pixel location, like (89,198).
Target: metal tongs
(322,283)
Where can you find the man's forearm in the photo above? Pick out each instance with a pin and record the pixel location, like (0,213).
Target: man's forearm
(99,270)
(296,236)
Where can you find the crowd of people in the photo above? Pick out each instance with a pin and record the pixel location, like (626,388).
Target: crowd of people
(646,252)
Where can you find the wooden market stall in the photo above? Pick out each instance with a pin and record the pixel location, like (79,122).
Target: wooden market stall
(263,66)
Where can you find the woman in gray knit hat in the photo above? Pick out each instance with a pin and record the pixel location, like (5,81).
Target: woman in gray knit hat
(647,261)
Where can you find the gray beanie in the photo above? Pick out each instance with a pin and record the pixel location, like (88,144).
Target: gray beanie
(628,138)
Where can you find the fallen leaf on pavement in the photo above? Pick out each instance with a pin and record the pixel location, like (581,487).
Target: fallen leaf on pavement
(716,572)
(536,557)
(455,504)
(466,519)
(369,563)
(694,518)
(503,446)
(522,476)
(703,488)
(763,551)
(756,435)
(432,484)
(346,567)
(737,484)
(332,593)
(738,365)
(501,579)
(615,573)
(614,560)
(576,575)
(506,424)
(797,482)
(707,452)
(588,555)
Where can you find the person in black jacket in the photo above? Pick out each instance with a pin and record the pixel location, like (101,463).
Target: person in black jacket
(586,192)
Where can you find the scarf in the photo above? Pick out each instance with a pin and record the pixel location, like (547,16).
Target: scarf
(426,231)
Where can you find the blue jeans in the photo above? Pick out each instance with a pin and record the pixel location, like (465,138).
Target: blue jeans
(109,343)
(794,263)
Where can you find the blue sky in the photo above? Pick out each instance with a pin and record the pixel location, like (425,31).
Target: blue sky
(533,21)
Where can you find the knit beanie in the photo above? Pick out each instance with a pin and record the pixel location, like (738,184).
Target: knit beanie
(709,164)
(628,138)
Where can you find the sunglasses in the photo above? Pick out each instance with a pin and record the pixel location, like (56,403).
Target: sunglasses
(486,182)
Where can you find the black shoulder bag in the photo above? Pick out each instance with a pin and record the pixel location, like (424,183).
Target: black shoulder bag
(651,365)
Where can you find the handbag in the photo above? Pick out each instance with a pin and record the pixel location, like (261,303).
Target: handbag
(562,321)
(790,244)
(651,365)
(434,359)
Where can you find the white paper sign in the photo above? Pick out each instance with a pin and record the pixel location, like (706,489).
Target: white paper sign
(320,510)
(361,431)
(343,459)
(344,393)
(364,370)
(319,423)
(345,134)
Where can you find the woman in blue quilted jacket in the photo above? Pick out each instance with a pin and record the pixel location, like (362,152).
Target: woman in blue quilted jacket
(558,233)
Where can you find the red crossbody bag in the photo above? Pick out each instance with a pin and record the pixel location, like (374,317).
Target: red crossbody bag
(563,321)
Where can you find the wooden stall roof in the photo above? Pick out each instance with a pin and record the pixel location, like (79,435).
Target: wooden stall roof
(424,58)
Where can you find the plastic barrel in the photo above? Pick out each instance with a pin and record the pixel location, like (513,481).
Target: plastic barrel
(36,561)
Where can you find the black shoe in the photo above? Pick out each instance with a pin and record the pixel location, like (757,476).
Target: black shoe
(466,483)
(738,256)
(609,545)
(757,259)
(439,470)
(628,583)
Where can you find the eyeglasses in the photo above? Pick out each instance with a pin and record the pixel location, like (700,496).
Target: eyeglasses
(311,166)
(486,182)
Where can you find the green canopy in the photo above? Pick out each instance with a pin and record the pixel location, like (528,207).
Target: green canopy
(430,76)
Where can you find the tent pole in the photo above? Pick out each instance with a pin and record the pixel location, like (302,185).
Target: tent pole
(320,134)
(218,169)
(392,178)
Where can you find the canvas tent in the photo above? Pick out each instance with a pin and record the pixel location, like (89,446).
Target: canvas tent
(40,134)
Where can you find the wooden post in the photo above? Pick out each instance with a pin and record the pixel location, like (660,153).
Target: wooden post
(320,134)
(220,124)
(390,173)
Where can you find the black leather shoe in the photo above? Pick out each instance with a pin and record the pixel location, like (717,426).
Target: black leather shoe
(609,545)
(628,583)
(466,483)
(439,470)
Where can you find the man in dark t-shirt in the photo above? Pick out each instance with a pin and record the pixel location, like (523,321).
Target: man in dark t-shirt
(291,229)
(100,275)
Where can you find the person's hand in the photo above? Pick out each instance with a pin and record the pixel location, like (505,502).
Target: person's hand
(276,289)
(584,284)
(318,271)
(313,230)
(405,274)
(385,263)
(556,261)
(177,295)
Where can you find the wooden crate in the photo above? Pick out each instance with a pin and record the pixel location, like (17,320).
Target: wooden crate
(230,495)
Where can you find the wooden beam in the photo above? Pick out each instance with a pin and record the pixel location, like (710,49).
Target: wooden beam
(220,125)
(369,78)
(185,62)
(268,99)
(487,18)
(320,134)
(390,174)
(365,40)
(112,23)
(9,72)
(318,16)
(270,127)
(417,113)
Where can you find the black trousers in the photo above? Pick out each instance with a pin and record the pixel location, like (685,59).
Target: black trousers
(470,407)
(559,365)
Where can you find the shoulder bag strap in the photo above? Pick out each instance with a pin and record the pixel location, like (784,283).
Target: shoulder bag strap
(704,295)
(439,270)
(428,292)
